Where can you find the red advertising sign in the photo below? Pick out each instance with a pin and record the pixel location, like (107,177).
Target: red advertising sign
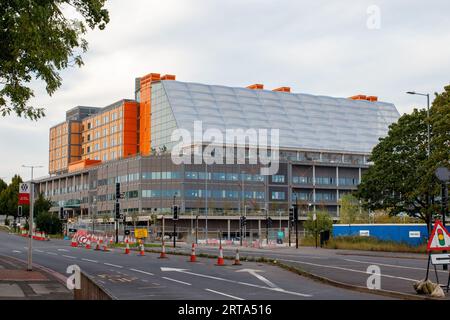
(24,198)
(24,193)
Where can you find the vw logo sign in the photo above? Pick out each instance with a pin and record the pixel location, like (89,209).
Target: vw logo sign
(24,187)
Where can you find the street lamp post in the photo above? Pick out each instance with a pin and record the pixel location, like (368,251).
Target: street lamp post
(30,220)
(428,144)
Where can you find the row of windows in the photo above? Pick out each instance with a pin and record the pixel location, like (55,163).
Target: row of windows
(325,181)
(224,194)
(222,176)
(105,119)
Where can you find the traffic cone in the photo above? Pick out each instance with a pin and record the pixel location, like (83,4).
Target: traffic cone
(141,250)
(127,249)
(193,257)
(97,245)
(111,241)
(237,262)
(74,243)
(88,244)
(220,261)
(101,239)
(163,252)
(105,246)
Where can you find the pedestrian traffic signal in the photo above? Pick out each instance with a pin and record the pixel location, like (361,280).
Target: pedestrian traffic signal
(269,222)
(61,213)
(19,211)
(295,212)
(175,211)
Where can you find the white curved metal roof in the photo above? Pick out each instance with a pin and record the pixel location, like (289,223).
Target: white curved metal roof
(305,121)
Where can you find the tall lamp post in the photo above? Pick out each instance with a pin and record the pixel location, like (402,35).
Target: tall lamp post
(428,143)
(30,220)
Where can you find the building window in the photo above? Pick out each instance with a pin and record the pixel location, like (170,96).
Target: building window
(278,195)
(89,125)
(301,180)
(278,179)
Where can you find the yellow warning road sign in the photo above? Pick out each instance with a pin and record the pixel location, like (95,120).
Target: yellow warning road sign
(140,233)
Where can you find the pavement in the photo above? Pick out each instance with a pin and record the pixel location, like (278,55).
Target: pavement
(147,277)
(16,283)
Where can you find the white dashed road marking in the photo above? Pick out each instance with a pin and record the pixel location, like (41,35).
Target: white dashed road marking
(224,294)
(112,265)
(170,279)
(144,272)
(70,257)
(89,260)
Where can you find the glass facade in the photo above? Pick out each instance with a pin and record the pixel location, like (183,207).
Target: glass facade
(162,119)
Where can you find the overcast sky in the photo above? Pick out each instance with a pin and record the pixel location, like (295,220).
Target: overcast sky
(316,47)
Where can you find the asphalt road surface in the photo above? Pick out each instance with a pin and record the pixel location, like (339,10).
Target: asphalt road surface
(135,277)
(398,271)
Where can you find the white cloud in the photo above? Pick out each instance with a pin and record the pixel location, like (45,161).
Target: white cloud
(317,47)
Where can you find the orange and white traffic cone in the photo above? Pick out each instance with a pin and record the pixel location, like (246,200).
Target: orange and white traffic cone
(97,245)
(74,243)
(141,250)
(163,252)
(237,262)
(220,261)
(127,249)
(105,246)
(88,244)
(111,240)
(193,256)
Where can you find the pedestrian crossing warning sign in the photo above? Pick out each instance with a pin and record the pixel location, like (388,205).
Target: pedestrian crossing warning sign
(440,238)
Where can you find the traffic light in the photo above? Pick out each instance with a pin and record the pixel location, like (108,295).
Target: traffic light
(175,211)
(117,190)
(295,212)
(291,215)
(61,213)
(117,210)
(19,211)
(243,221)
(269,222)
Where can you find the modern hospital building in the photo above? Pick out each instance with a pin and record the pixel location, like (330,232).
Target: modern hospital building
(324,148)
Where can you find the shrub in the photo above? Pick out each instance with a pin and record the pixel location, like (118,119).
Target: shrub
(48,223)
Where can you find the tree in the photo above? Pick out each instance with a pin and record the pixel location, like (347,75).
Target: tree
(42,204)
(9,198)
(49,223)
(351,211)
(324,222)
(402,178)
(38,40)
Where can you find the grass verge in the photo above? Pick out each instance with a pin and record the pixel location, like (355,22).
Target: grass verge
(366,244)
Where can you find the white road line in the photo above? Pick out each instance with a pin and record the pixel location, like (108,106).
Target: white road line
(71,257)
(89,260)
(52,253)
(224,294)
(144,272)
(17,251)
(238,282)
(170,279)
(347,269)
(63,250)
(112,265)
(390,265)
(37,250)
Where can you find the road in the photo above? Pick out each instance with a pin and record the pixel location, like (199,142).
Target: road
(135,277)
(398,271)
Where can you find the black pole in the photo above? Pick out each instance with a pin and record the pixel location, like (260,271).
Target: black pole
(316,231)
(174,233)
(241,221)
(267,228)
(444,201)
(289,228)
(196,229)
(296,233)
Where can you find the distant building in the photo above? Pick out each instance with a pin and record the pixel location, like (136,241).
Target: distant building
(325,144)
